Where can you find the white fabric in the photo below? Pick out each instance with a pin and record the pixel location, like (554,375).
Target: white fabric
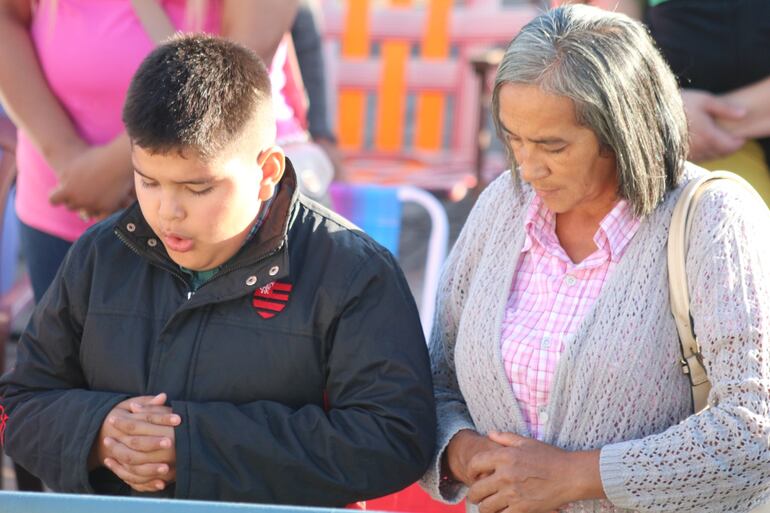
(619,386)
(313,167)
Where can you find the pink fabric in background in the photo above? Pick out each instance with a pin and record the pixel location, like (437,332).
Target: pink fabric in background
(287,97)
(550,296)
(88,51)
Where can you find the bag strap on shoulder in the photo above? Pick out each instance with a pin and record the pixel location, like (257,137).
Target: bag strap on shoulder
(679,231)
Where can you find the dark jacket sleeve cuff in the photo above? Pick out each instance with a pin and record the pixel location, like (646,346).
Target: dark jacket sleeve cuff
(82,476)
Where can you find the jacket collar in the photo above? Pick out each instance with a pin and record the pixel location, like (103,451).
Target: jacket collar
(269,243)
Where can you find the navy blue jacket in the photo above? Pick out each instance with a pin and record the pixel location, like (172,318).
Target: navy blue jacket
(300,370)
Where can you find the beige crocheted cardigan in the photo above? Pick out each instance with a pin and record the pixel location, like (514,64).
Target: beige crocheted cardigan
(618,385)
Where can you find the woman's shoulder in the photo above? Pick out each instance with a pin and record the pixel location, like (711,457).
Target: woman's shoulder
(731,198)
(729,210)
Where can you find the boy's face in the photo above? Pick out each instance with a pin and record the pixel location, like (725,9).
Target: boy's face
(203,211)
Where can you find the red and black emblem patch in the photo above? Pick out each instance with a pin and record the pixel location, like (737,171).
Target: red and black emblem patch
(271,299)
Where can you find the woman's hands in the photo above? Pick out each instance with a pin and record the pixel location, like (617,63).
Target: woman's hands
(461,450)
(94,180)
(508,472)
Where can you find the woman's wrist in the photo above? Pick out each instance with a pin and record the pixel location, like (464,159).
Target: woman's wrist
(461,448)
(585,475)
(59,153)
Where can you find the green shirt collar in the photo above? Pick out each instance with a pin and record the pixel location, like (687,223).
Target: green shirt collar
(198,278)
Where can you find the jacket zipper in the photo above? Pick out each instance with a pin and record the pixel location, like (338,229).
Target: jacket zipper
(190,292)
(136,250)
(227,269)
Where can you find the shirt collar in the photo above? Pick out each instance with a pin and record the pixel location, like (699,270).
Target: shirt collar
(201,277)
(615,231)
(618,228)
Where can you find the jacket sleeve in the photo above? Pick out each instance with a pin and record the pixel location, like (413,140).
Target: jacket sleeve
(718,460)
(376,437)
(457,277)
(52,419)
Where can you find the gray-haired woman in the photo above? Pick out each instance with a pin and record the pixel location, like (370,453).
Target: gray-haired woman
(555,354)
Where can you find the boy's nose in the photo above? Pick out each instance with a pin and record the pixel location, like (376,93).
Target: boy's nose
(170,209)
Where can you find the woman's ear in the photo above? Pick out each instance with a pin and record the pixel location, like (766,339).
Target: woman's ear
(273,163)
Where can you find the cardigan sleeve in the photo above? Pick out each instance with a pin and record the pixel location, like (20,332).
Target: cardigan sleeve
(718,460)
(451,410)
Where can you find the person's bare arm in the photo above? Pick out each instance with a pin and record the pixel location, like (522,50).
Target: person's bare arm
(34,109)
(25,93)
(258,25)
(755,99)
(7,134)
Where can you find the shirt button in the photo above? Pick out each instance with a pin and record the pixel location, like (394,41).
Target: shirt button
(546,342)
(251,280)
(570,280)
(543,415)
(152,242)
(273,270)
(131,227)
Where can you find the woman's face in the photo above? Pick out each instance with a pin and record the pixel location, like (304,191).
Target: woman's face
(560,158)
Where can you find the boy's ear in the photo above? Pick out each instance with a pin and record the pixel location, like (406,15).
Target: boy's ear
(273,164)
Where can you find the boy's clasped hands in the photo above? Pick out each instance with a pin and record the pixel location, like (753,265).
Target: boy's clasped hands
(136,442)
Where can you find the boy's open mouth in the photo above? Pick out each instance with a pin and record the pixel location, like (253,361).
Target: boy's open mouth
(176,243)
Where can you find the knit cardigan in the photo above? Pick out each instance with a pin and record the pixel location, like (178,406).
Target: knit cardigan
(619,384)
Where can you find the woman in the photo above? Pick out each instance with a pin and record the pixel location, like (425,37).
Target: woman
(712,48)
(555,356)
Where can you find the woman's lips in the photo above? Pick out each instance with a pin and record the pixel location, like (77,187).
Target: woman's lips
(544,193)
(177,243)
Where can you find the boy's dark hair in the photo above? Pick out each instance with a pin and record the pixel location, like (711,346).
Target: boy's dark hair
(195,92)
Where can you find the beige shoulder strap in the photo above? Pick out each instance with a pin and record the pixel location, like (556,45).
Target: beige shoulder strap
(681,221)
(154,20)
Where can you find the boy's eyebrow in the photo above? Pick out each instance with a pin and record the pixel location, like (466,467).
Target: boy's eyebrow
(203,181)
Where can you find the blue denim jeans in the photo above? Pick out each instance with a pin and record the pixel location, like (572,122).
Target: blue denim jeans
(44,254)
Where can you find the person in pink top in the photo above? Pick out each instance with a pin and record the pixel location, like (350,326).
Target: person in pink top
(65,66)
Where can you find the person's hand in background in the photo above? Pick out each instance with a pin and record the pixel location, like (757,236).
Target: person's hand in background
(95,180)
(708,140)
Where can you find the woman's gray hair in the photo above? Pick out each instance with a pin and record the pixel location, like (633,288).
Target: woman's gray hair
(622,89)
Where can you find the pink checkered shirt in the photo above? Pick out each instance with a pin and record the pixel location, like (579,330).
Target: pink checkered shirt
(550,296)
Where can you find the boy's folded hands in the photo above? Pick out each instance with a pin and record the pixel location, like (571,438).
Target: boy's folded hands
(136,442)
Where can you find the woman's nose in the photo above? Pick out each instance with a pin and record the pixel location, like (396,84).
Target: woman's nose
(530,167)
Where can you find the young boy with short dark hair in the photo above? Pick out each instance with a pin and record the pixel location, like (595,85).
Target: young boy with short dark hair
(224,338)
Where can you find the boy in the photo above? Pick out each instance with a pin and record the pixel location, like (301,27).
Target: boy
(224,338)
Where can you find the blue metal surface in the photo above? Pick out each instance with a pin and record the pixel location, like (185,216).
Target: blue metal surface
(22,502)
